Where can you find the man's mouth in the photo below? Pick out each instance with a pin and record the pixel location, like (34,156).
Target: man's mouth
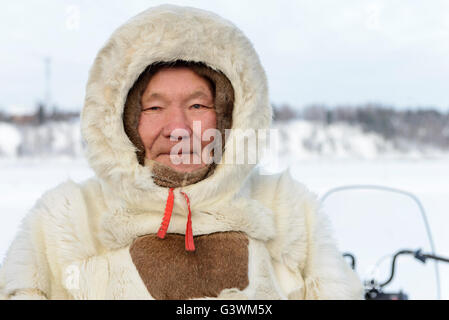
(179,153)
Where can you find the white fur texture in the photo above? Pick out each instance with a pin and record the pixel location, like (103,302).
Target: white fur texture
(74,244)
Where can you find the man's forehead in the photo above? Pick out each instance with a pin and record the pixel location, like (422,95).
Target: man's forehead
(184,75)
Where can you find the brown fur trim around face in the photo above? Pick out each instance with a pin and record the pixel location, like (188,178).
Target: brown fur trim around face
(223,96)
(220,261)
(223,104)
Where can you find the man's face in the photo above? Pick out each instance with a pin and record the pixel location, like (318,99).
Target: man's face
(173,100)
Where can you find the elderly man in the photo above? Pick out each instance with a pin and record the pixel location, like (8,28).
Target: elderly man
(160,220)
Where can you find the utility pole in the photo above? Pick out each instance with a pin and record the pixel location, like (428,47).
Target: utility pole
(47,96)
(44,106)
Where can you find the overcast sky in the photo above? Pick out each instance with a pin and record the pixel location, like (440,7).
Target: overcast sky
(393,52)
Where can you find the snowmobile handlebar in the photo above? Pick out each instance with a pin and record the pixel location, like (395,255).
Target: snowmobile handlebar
(350,256)
(417,254)
(374,291)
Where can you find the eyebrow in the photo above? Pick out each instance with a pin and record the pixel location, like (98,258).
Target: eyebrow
(154,96)
(160,96)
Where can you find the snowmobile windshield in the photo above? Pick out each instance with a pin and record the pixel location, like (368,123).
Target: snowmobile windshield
(372,224)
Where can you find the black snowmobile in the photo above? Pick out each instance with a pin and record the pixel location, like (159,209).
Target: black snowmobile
(386,238)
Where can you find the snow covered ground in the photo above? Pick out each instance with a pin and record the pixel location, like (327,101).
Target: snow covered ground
(24,180)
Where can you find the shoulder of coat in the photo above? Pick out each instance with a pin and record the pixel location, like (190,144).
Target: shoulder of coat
(63,214)
(66,193)
(293,204)
(282,186)
(60,207)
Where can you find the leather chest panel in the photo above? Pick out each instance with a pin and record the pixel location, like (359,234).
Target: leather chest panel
(220,261)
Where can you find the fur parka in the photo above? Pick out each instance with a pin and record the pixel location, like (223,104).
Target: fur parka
(256,236)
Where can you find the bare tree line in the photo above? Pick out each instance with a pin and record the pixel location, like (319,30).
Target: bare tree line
(428,126)
(40,116)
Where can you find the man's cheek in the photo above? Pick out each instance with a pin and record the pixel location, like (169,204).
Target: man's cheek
(147,134)
(209,121)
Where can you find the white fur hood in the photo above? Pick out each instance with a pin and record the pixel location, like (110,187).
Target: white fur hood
(169,33)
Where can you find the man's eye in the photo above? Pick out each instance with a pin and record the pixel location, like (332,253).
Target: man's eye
(152,109)
(198,106)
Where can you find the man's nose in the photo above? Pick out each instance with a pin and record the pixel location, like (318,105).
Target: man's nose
(177,125)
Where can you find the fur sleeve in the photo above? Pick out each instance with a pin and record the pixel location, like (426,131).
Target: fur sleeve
(2,284)
(24,273)
(326,274)
(54,234)
(305,246)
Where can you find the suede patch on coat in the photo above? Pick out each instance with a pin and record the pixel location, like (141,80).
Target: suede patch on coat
(169,272)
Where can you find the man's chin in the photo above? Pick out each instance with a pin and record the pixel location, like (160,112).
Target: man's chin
(186,167)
